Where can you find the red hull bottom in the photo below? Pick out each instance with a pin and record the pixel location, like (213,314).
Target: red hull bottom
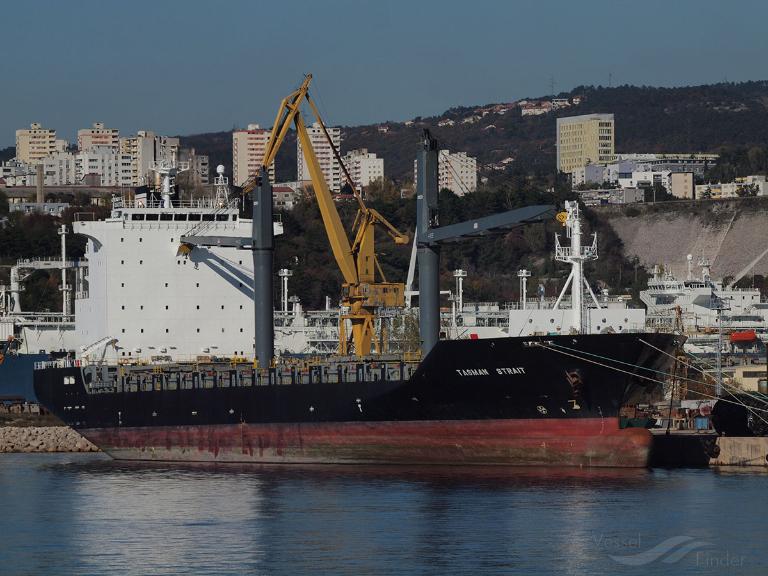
(561,442)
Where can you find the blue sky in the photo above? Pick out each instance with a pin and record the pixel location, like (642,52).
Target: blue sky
(193,66)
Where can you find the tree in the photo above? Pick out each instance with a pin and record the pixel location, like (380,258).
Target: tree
(382,189)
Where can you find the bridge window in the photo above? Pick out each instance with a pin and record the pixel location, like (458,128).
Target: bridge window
(153,216)
(137,216)
(208,217)
(222,217)
(179,217)
(194,217)
(166,217)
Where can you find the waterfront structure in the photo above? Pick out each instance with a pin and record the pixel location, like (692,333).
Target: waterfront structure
(35,143)
(329,165)
(97,135)
(456,172)
(248,147)
(584,139)
(364,167)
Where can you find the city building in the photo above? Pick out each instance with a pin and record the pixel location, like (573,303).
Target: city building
(35,143)
(285,196)
(535,108)
(248,147)
(456,172)
(696,163)
(646,180)
(682,185)
(740,188)
(585,139)
(103,166)
(364,167)
(145,148)
(50,208)
(59,169)
(97,135)
(590,173)
(612,196)
(329,165)
(199,167)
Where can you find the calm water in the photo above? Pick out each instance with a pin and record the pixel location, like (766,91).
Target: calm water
(83,514)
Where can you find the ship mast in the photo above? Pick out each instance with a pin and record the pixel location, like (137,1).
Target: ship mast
(575,255)
(168,169)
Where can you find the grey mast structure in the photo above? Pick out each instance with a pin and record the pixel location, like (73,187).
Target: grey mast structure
(429,236)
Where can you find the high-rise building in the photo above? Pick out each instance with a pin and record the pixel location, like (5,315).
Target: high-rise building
(97,135)
(144,149)
(35,143)
(329,165)
(199,169)
(104,166)
(582,140)
(456,172)
(248,147)
(364,167)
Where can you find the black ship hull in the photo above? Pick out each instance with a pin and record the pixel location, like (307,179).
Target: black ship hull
(549,400)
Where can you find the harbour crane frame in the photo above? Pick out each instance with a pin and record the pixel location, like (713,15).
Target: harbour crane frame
(365,288)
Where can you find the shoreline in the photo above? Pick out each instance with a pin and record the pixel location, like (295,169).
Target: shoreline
(42,439)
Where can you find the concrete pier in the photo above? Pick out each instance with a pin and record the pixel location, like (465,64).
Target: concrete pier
(706,449)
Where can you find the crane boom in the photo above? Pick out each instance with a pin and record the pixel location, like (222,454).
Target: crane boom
(362,293)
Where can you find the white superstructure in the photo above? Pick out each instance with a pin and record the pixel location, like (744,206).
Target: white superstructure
(586,313)
(694,303)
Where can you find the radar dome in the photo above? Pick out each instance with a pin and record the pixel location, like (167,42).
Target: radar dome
(220,169)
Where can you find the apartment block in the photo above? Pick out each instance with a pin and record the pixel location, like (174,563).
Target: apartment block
(35,143)
(586,139)
(682,185)
(364,167)
(145,148)
(199,166)
(104,166)
(329,165)
(248,148)
(97,135)
(455,171)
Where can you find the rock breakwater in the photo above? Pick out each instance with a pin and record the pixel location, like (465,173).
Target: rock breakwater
(43,439)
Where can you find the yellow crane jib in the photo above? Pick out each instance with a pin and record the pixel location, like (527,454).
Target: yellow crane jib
(365,287)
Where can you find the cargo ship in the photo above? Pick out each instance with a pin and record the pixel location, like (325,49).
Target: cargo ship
(545,399)
(549,400)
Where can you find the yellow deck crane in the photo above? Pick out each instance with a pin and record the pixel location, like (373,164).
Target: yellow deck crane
(365,288)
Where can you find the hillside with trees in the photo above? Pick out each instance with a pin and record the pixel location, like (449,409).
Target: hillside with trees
(726,118)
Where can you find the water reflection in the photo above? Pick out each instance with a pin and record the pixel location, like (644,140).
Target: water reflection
(88,515)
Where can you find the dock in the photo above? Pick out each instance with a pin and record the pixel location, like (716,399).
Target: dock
(688,449)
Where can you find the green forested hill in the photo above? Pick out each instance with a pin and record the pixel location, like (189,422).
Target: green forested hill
(726,117)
